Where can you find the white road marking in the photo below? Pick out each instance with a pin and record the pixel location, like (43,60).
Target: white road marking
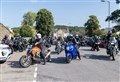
(34,80)
(35,73)
(36,69)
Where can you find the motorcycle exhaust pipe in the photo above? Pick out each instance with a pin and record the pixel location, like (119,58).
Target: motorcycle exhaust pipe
(48,54)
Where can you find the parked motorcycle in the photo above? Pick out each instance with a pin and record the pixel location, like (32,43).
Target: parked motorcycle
(71,52)
(33,54)
(20,47)
(112,50)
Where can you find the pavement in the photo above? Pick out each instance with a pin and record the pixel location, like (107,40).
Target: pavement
(93,67)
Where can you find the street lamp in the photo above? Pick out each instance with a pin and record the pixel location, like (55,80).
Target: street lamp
(108,11)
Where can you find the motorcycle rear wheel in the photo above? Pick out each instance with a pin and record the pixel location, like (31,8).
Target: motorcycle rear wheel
(112,54)
(98,48)
(68,59)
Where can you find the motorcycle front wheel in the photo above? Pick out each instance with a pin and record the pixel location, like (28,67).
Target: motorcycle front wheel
(98,48)
(25,61)
(112,54)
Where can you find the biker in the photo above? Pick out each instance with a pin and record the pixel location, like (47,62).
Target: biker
(11,43)
(41,44)
(95,39)
(5,40)
(77,37)
(59,40)
(72,39)
(111,39)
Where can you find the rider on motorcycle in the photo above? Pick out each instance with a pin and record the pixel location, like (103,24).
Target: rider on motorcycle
(96,40)
(5,40)
(72,39)
(59,40)
(111,39)
(77,37)
(41,44)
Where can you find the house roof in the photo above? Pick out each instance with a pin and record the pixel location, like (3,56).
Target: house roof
(5,27)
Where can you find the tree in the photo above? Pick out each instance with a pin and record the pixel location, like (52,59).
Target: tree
(29,18)
(27,29)
(44,22)
(16,30)
(114,17)
(98,32)
(91,25)
(117,1)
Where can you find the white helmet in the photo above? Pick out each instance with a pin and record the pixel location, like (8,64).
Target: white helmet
(76,35)
(38,35)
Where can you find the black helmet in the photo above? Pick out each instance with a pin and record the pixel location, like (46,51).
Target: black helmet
(109,33)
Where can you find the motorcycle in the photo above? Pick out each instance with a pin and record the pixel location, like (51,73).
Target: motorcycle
(112,50)
(58,48)
(20,47)
(15,45)
(71,52)
(95,46)
(33,54)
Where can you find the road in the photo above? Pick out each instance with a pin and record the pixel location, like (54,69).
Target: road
(93,66)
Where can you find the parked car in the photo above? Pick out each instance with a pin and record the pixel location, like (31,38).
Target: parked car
(102,44)
(5,53)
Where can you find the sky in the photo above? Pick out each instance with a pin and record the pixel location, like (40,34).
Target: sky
(65,12)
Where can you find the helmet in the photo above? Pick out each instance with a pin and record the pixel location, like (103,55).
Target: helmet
(38,35)
(6,36)
(76,35)
(109,33)
(70,37)
(95,36)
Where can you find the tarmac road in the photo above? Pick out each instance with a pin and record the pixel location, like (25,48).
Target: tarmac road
(93,66)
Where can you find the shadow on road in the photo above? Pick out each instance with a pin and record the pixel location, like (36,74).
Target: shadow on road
(85,49)
(14,64)
(59,60)
(97,57)
(53,52)
(2,62)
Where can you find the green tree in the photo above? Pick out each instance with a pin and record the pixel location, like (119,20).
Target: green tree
(115,18)
(44,22)
(29,18)
(91,25)
(16,30)
(27,29)
(117,1)
(98,32)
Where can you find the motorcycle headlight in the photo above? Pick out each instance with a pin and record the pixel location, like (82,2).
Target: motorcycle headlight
(112,43)
(67,48)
